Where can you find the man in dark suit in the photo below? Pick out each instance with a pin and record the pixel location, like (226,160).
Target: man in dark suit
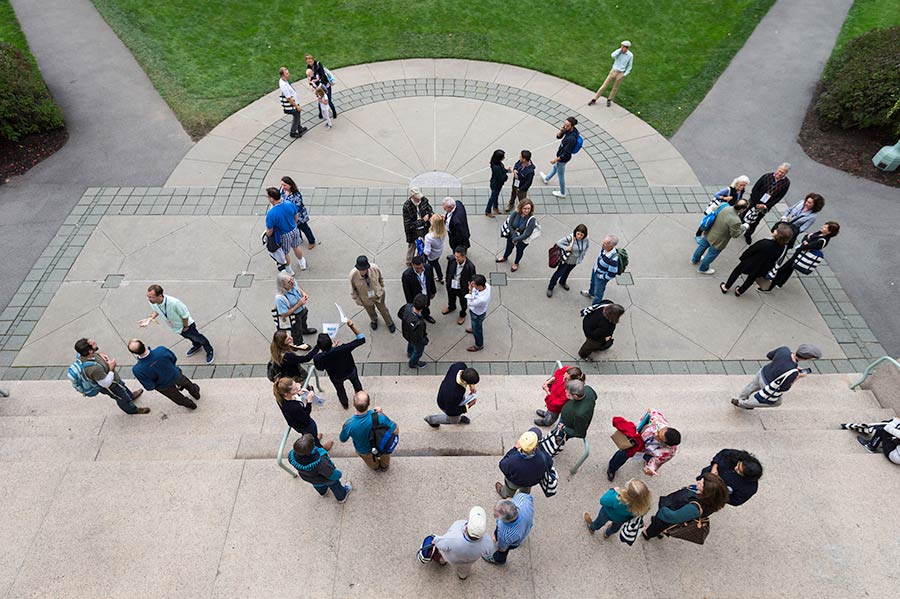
(768,190)
(460,271)
(457,223)
(419,278)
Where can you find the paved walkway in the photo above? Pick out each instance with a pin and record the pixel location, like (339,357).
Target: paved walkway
(748,124)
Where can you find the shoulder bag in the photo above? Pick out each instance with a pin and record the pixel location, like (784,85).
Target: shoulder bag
(695,530)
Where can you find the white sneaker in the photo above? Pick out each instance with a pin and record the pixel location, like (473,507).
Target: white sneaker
(349,488)
(289,270)
(543,177)
(586,293)
(302,263)
(710,271)
(559,194)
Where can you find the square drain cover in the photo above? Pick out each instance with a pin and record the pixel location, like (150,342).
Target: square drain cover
(498,279)
(243,281)
(112,281)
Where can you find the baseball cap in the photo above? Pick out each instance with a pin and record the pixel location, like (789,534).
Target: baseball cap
(528,441)
(477,524)
(626,43)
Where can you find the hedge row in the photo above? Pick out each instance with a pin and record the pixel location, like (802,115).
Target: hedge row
(26,105)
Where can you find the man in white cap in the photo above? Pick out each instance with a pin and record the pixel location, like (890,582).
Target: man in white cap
(463,543)
(776,377)
(623,59)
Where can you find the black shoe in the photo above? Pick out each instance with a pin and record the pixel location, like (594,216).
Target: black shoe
(592,102)
(320,116)
(564,286)
(210,357)
(429,320)
(464,420)
(608,103)
(374,325)
(865,443)
(193,394)
(392,328)
(610,475)
(431,424)
(310,331)
(419,365)
(295,135)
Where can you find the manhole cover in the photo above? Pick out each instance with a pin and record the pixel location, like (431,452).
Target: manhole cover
(112,281)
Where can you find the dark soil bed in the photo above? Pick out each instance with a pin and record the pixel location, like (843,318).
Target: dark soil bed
(848,150)
(17,157)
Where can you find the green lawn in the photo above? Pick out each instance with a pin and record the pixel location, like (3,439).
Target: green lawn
(10,32)
(864,16)
(209,59)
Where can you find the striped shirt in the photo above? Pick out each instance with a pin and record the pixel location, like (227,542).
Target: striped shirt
(607,264)
(512,534)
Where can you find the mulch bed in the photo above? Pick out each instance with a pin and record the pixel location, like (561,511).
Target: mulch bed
(850,151)
(17,157)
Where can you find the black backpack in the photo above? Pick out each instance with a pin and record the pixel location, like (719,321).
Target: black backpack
(383,437)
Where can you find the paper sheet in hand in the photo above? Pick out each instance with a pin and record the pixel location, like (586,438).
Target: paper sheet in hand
(468,398)
(341,312)
(331,328)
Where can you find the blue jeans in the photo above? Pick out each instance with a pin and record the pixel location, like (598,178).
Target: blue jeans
(711,254)
(493,201)
(122,395)
(561,275)
(520,249)
(598,288)
(305,230)
(197,339)
(414,352)
(339,490)
(477,327)
(559,168)
(601,519)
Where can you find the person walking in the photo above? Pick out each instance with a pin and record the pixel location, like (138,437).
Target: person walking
(599,323)
(479,298)
(605,269)
(623,60)
(619,505)
(456,396)
(289,102)
(291,193)
(740,471)
(97,370)
(726,226)
(434,245)
(324,81)
(758,259)
(775,378)
(568,146)
(179,319)
(555,394)
(524,465)
(336,359)
(518,230)
(462,544)
(419,279)
(690,503)
(291,313)
(156,369)
(284,361)
(768,190)
(653,439)
(414,329)
(456,222)
(515,519)
(573,248)
(281,223)
(367,290)
(460,271)
(295,403)
(314,466)
(359,428)
(417,215)
(499,175)
(807,257)
(523,176)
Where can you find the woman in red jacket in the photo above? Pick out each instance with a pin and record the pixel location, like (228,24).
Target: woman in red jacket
(555,388)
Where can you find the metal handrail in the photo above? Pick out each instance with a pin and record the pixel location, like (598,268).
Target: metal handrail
(312,373)
(871,367)
(4,393)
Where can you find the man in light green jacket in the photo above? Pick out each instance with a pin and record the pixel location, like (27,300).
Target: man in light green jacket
(726,227)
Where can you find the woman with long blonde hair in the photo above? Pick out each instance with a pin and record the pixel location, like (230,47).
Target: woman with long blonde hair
(434,245)
(295,403)
(619,505)
(283,359)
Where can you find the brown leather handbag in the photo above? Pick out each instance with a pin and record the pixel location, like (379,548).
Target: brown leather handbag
(695,530)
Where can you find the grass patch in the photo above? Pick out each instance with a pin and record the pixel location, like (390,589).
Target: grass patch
(866,15)
(11,33)
(209,59)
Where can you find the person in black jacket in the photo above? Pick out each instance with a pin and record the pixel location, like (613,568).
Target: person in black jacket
(419,279)
(569,136)
(599,324)
(460,271)
(414,329)
(741,472)
(284,359)
(766,193)
(457,387)
(417,213)
(708,496)
(295,404)
(337,361)
(320,74)
(813,242)
(524,465)
(758,259)
(457,223)
(499,175)
(523,175)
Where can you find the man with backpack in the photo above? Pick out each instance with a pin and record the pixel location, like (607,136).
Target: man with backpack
(374,435)
(570,143)
(611,262)
(94,372)
(719,227)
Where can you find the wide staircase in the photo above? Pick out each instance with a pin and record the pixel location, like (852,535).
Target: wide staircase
(96,503)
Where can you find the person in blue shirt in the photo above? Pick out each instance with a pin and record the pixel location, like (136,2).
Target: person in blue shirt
(605,270)
(515,517)
(156,369)
(281,223)
(359,428)
(623,60)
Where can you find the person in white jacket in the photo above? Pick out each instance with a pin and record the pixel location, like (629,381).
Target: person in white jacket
(479,298)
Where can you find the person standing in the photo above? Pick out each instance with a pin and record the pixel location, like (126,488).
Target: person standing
(414,329)
(690,503)
(524,465)
(419,279)
(321,74)
(573,249)
(434,245)
(776,378)
(569,136)
(518,229)
(456,222)
(323,101)
(766,193)
(479,298)
(727,195)
(802,215)
(284,361)
(289,102)
(623,60)
(156,369)
(281,223)
(726,227)
(295,404)
(456,396)
(652,438)
(359,428)
(462,544)
(314,466)
(619,505)
(291,193)
(808,255)
(740,470)
(337,361)
(523,176)
(605,270)
(599,324)
(578,412)
(100,370)
(367,290)
(758,259)
(499,175)
(291,313)
(460,271)
(417,213)
(515,519)
(178,317)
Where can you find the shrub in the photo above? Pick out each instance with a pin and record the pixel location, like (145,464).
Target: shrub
(26,105)
(862,83)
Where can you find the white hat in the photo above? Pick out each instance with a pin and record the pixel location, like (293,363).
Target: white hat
(626,43)
(477,524)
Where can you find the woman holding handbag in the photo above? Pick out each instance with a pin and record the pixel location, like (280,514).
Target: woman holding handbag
(808,255)
(688,505)
(572,250)
(518,230)
(619,505)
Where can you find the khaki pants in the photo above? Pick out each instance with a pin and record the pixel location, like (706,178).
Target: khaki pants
(615,77)
(385,313)
(383,461)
